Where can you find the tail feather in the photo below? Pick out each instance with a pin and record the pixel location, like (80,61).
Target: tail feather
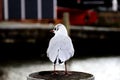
(58,61)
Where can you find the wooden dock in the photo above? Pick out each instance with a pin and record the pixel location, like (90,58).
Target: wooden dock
(11,32)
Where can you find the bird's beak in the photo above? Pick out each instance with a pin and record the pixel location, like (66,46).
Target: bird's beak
(52,31)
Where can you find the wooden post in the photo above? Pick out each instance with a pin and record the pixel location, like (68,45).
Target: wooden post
(66,21)
(48,75)
(0,10)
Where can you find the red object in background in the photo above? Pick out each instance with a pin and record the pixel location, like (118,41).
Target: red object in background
(78,17)
(78,1)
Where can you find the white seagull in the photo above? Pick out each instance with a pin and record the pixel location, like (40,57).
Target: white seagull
(115,5)
(60,47)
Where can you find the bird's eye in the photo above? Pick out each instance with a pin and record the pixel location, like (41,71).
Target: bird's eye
(56,29)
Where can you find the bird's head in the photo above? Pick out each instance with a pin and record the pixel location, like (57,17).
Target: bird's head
(60,29)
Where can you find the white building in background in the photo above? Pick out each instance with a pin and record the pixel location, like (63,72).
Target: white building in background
(28,9)
(114,5)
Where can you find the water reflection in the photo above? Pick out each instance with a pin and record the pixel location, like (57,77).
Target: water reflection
(104,68)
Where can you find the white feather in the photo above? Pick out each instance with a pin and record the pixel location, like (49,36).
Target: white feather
(60,46)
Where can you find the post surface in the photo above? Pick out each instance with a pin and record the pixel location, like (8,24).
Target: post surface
(48,75)
(66,21)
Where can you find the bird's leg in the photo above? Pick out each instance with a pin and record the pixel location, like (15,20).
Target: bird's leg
(55,69)
(66,72)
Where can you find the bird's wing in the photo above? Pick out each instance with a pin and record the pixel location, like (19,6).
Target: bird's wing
(52,51)
(60,46)
(66,49)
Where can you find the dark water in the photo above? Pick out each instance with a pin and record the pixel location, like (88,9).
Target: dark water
(83,48)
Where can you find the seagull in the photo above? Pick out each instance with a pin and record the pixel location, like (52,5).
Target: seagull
(115,5)
(60,48)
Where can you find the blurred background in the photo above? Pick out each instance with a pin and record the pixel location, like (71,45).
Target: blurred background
(93,25)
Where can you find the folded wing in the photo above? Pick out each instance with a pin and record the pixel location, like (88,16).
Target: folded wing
(61,47)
